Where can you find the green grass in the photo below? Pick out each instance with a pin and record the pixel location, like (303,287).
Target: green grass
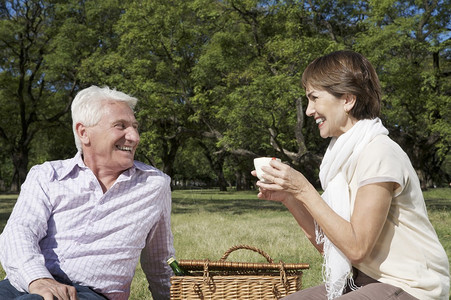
(206,223)
(206,228)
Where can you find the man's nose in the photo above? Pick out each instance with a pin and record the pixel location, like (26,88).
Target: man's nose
(132,134)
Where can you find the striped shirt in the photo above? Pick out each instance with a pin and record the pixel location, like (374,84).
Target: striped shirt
(64,227)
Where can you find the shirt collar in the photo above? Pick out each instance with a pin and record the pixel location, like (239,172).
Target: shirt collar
(77,162)
(70,165)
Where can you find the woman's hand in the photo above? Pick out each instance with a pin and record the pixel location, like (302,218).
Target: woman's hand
(290,187)
(283,183)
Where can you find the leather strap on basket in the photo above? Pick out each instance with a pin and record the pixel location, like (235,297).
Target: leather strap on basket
(283,274)
(237,247)
(206,278)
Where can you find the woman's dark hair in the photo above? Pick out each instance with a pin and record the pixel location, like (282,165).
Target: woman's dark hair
(347,72)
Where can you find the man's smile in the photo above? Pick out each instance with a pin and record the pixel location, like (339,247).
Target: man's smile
(124,148)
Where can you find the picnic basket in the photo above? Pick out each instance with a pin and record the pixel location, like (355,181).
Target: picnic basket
(223,279)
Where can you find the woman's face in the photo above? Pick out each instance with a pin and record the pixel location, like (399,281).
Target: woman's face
(330,112)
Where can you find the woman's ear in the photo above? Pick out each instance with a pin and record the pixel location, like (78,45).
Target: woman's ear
(350,100)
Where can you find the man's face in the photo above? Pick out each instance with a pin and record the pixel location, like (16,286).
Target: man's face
(113,141)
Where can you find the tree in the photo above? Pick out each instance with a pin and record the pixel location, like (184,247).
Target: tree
(28,100)
(218,81)
(248,83)
(43,45)
(407,42)
(225,71)
(159,42)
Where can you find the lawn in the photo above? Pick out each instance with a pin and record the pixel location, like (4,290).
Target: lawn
(206,223)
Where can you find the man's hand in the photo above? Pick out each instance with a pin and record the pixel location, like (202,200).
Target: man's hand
(51,289)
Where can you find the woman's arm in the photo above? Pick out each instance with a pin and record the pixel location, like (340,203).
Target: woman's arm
(305,220)
(355,238)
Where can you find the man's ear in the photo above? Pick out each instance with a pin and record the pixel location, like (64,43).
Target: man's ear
(350,101)
(82,133)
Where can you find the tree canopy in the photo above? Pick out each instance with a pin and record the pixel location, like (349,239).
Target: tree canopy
(218,82)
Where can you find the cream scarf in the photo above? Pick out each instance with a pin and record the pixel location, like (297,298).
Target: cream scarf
(336,171)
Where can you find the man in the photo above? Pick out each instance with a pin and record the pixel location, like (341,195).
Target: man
(80,225)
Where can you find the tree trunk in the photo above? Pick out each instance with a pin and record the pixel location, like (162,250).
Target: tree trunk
(222,181)
(20,161)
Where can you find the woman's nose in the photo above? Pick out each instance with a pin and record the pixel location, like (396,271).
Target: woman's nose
(310,111)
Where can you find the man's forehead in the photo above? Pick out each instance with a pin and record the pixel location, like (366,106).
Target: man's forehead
(117,110)
(114,102)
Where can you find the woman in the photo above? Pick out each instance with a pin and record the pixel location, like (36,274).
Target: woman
(371,223)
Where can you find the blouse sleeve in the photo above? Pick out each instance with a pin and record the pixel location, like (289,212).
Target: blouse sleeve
(382,160)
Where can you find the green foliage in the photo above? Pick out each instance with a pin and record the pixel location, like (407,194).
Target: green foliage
(403,41)
(193,167)
(218,81)
(43,44)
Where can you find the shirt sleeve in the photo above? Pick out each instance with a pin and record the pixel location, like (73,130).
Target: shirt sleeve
(20,253)
(382,160)
(159,247)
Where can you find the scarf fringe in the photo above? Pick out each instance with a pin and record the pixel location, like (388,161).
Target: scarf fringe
(334,289)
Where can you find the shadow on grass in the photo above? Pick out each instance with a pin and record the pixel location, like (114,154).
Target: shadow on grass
(235,207)
(439,204)
(8,200)
(6,206)
(4,215)
(242,206)
(186,205)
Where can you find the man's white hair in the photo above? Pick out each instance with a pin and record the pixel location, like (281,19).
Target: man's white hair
(87,107)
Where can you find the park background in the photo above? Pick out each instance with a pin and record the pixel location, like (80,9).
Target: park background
(218,84)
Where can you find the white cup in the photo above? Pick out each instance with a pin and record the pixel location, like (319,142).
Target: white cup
(259,162)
